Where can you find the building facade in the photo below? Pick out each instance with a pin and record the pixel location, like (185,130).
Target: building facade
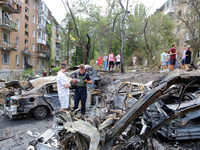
(23,40)
(177,9)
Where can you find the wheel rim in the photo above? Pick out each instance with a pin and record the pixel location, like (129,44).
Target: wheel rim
(40,112)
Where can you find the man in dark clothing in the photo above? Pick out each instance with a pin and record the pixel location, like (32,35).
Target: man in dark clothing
(81,79)
(173,54)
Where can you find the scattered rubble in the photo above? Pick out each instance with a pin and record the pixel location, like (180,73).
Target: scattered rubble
(167,108)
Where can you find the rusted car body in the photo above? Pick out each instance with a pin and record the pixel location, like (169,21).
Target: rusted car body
(177,119)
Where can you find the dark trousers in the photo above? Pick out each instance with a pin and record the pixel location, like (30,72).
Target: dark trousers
(80,95)
(111,63)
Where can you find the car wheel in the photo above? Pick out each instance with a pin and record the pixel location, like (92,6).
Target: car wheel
(40,112)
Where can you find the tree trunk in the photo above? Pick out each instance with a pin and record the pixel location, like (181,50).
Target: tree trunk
(122,35)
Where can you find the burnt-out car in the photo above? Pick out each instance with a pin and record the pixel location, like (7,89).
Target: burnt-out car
(127,94)
(42,99)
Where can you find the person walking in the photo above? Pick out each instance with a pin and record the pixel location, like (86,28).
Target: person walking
(81,80)
(182,63)
(63,88)
(118,62)
(163,60)
(173,54)
(188,57)
(134,60)
(105,62)
(99,58)
(111,60)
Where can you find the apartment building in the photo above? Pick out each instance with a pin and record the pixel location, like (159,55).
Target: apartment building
(177,9)
(23,40)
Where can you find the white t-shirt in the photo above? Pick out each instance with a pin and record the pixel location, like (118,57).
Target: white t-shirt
(61,81)
(118,58)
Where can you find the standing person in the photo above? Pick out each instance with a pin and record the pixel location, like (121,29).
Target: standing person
(99,58)
(43,72)
(134,60)
(50,71)
(105,62)
(182,63)
(163,60)
(173,54)
(188,57)
(111,60)
(168,59)
(81,79)
(118,60)
(63,88)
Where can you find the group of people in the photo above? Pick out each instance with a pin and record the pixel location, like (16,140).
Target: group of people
(108,61)
(80,80)
(169,59)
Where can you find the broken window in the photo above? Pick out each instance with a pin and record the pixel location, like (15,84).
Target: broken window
(17,60)
(5,58)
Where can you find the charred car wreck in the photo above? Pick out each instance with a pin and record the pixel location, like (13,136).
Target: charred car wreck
(41,96)
(170,108)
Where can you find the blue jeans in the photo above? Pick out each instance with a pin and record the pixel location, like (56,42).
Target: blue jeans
(80,95)
(105,65)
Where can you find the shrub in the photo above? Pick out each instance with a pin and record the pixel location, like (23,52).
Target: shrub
(55,69)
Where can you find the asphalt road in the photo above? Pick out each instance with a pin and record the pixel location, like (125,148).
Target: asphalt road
(16,134)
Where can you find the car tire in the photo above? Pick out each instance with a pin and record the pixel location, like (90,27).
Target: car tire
(40,112)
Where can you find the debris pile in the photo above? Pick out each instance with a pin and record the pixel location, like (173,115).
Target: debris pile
(169,108)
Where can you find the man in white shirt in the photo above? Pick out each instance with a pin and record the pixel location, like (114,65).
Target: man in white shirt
(63,87)
(118,60)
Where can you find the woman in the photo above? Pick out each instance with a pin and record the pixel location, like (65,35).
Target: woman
(182,63)
(105,62)
(188,57)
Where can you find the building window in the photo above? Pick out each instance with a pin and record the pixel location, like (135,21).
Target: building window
(43,62)
(38,47)
(40,6)
(39,34)
(26,42)
(17,60)
(26,34)
(33,4)
(33,19)
(33,47)
(33,61)
(17,41)
(33,33)
(26,10)
(26,2)
(38,62)
(26,17)
(5,37)
(39,20)
(5,58)
(26,26)
(18,23)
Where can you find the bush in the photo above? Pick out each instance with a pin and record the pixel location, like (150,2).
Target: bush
(139,61)
(55,69)
(27,73)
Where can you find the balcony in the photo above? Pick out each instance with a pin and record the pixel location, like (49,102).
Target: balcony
(8,25)
(41,41)
(169,10)
(8,46)
(10,6)
(25,52)
(41,54)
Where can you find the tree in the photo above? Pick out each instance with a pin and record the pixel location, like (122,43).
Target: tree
(191,20)
(125,11)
